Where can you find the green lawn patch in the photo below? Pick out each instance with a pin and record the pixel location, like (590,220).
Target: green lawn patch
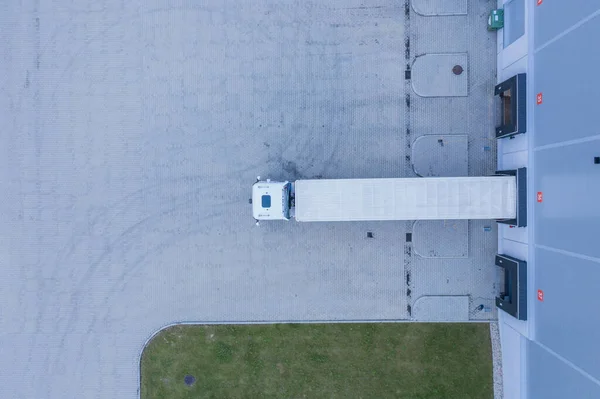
(403,360)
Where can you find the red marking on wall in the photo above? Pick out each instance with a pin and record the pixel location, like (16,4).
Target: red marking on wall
(540,196)
(539,99)
(540,295)
(539,2)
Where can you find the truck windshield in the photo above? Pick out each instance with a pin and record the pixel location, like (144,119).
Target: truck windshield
(286,200)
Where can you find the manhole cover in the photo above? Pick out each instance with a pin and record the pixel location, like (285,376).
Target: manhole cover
(189,380)
(457,70)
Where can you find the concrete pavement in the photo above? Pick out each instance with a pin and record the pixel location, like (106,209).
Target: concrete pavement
(131,135)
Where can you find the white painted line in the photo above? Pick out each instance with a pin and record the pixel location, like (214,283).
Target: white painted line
(567,143)
(569,253)
(574,366)
(567,31)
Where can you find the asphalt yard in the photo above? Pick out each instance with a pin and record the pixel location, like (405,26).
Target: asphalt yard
(133,131)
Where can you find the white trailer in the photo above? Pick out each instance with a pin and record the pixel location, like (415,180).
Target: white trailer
(423,198)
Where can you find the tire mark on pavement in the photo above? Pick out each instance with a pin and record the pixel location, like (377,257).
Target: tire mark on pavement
(129,272)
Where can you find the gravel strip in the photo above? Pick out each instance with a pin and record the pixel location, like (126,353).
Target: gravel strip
(496,360)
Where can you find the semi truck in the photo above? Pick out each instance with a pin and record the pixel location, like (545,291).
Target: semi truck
(500,197)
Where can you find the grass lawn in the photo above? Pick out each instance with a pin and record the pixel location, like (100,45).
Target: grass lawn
(404,360)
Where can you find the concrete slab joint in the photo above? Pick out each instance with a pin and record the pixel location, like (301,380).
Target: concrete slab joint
(431,8)
(441,308)
(435,75)
(441,155)
(441,239)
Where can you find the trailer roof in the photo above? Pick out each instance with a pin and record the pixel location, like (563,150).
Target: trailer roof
(492,197)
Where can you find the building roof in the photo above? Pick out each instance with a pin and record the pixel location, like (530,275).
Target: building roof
(554,353)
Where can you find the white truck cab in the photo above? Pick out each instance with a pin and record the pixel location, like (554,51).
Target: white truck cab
(272,200)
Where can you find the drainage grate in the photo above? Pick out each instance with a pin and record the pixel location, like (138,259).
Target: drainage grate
(189,380)
(457,70)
